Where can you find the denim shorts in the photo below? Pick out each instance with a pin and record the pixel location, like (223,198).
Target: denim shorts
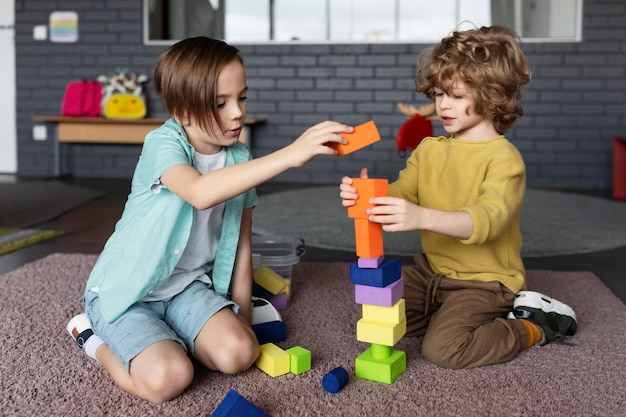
(179,318)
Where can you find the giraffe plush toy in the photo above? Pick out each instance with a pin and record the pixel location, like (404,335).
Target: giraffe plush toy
(122,95)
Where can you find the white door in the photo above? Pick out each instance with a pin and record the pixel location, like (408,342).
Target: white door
(8,135)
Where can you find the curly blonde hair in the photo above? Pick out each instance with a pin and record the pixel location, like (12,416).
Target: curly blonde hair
(490,61)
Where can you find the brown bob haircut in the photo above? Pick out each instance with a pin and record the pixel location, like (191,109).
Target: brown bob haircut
(185,77)
(490,61)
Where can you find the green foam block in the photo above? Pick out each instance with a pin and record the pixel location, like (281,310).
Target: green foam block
(380,370)
(300,360)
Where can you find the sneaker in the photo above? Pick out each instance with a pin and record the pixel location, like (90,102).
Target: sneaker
(263,311)
(555,319)
(80,329)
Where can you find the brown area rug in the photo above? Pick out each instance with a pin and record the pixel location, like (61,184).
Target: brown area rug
(42,373)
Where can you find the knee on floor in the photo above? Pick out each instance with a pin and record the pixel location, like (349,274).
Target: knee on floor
(238,353)
(168,380)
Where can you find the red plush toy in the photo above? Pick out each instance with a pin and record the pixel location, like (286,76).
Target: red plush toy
(417,127)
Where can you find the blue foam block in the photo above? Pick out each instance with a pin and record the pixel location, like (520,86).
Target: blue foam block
(389,271)
(270,332)
(335,380)
(260,292)
(234,405)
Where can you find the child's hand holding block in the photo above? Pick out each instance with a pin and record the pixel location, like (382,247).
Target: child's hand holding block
(367,188)
(363,135)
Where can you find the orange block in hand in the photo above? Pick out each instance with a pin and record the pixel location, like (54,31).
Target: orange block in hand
(367,188)
(362,135)
(369,238)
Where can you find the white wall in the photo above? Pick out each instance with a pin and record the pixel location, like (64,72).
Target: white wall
(8,135)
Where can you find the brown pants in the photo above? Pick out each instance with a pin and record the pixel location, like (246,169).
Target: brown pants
(463,322)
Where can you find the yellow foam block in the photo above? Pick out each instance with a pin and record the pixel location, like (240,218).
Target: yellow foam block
(378,332)
(393,315)
(273,360)
(267,278)
(287,287)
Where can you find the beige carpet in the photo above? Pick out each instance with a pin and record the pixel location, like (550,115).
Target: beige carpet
(553,223)
(42,373)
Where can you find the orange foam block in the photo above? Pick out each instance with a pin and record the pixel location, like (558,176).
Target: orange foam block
(366,188)
(362,135)
(368,238)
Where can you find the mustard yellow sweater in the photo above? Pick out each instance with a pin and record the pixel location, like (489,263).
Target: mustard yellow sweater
(486,179)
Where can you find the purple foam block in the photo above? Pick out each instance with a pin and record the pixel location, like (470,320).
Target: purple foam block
(386,296)
(370,262)
(280,301)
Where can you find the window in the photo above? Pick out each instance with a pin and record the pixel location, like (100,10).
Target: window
(361,21)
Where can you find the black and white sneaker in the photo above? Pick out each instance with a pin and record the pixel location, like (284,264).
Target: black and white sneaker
(263,311)
(80,329)
(555,319)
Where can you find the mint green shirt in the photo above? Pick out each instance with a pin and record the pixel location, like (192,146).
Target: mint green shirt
(155,226)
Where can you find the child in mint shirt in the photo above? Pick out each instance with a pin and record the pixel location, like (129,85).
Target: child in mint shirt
(175,278)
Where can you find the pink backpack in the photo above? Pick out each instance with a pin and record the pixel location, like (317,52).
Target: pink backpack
(82,99)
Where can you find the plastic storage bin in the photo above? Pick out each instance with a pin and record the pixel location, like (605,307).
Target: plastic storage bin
(273,258)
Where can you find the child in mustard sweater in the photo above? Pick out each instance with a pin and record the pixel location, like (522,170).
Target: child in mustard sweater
(464,193)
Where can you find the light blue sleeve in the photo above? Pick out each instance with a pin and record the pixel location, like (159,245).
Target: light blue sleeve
(163,148)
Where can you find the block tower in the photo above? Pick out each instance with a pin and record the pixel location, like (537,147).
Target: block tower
(379,288)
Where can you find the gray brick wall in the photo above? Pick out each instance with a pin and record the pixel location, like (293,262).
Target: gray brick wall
(574,105)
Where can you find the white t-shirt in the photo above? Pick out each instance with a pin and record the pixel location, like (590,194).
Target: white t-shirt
(197,259)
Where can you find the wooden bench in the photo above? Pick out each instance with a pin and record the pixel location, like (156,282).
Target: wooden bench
(110,131)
